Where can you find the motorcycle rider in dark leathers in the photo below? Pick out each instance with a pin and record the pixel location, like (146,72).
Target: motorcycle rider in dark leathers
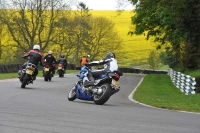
(110,65)
(50,60)
(62,61)
(35,57)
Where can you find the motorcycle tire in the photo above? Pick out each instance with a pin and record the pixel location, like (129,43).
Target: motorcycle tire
(25,80)
(72,94)
(102,98)
(60,73)
(50,77)
(46,76)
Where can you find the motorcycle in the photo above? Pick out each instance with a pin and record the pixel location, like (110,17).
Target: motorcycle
(104,87)
(61,70)
(26,75)
(47,73)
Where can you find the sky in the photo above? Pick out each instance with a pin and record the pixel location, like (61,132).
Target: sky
(106,5)
(99,4)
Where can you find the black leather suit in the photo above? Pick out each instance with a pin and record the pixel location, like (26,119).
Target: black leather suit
(50,60)
(34,57)
(63,61)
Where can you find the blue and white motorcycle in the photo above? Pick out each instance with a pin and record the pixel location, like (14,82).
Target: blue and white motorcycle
(105,86)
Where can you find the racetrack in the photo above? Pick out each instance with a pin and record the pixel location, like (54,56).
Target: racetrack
(43,107)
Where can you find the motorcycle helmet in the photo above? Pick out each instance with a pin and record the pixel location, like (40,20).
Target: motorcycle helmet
(110,55)
(36,47)
(50,52)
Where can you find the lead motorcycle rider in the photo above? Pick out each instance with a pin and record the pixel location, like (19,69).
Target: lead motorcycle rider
(110,65)
(35,57)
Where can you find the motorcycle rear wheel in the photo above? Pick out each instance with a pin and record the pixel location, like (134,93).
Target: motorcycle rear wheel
(102,98)
(46,76)
(72,94)
(60,73)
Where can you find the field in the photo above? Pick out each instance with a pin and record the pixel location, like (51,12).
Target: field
(136,49)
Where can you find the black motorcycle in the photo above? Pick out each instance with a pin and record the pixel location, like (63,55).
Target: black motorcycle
(61,70)
(47,73)
(26,75)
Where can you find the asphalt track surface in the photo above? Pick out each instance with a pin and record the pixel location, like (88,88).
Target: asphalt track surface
(43,107)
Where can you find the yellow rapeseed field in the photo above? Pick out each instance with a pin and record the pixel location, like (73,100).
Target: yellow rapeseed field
(135,47)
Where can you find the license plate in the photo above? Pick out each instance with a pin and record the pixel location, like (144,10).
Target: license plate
(59,67)
(115,83)
(46,69)
(30,72)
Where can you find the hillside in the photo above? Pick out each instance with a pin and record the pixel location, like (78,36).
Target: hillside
(136,48)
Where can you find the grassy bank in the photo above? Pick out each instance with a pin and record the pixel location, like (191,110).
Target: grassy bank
(15,75)
(159,91)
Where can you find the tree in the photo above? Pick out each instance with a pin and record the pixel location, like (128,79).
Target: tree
(165,21)
(32,21)
(103,38)
(153,59)
(83,34)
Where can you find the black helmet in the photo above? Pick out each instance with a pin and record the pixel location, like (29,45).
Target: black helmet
(110,55)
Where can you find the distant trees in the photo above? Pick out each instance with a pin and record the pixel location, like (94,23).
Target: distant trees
(52,25)
(32,21)
(81,34)
(176,22)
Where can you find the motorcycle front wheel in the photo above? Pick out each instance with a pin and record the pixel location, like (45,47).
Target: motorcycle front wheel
(100,99)
(25,80)
(72,94)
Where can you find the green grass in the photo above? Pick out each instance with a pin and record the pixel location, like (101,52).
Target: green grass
(193,73)
(164,67)
(159,91)
(15,75)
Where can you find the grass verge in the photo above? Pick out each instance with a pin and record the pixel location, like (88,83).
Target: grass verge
(15,75)
(159,91)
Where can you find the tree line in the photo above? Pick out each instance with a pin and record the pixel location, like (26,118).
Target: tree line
(53,25)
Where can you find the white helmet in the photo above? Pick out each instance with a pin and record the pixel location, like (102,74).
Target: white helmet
(50,52)
(36,47)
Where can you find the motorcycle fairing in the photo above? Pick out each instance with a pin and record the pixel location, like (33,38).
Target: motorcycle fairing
(81,95)
(81,76)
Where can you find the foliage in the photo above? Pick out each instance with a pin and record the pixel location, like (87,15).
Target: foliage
(153,59)
(165,21)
